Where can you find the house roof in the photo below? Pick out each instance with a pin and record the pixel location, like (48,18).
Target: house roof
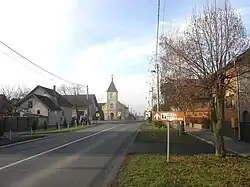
(49,103)
(60,99)
(123,105)
(81,100)
(112,87)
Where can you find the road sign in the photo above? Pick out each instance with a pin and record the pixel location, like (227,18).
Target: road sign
(119,114)
(148,114)
(168,116)
(147,109)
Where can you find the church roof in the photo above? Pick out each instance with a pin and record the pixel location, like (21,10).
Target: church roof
(112,87)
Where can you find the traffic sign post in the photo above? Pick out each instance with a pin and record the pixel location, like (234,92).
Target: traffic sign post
(97,115)
(168,116)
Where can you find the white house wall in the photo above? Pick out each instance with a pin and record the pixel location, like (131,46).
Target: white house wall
(37,105)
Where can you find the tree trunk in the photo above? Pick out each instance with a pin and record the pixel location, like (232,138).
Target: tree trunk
(219,140)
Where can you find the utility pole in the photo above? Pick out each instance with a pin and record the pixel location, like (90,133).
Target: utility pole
(152,98)
(156,70)
(158,88)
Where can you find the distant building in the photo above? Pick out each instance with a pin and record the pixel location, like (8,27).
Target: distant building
(113,109)
(82,104)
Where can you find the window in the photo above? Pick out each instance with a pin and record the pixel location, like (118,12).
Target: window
(62,112)
(111,106)
(30,104)
(38,112)
(110,95)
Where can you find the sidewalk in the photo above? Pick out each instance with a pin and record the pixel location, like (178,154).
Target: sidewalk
(238,147)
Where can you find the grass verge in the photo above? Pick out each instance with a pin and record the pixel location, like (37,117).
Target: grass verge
(152,170)
(60,131)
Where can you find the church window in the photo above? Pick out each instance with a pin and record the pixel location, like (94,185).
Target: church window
(111,106)
(110,95)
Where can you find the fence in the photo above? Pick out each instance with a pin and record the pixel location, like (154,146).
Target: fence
(20,124)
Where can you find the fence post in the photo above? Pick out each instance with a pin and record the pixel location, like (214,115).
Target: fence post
(10,136)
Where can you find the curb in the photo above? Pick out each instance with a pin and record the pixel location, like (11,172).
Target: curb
(212,143)
(42,138)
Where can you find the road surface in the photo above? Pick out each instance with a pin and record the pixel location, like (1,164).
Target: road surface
(74,159)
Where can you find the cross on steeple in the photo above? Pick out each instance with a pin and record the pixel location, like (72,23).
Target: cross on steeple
(112,77)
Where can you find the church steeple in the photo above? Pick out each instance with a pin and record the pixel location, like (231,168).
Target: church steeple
(112,87)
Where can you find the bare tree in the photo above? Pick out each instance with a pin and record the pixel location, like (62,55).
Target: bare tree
(14,92)
(206,51)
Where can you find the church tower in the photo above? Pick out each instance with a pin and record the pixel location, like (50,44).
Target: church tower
(112,101)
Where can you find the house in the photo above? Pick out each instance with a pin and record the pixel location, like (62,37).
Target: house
(237,100)
(83,104)
(113,109)
(46,102)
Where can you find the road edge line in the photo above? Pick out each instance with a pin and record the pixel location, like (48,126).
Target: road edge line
(42,138)
(212,143)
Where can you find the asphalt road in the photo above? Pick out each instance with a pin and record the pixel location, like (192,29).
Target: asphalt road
(74,159)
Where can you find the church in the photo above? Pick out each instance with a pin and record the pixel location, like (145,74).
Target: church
(113,109)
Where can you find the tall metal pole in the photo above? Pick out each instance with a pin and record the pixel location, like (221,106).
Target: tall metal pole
(152,99)
(156,55)
(158,88)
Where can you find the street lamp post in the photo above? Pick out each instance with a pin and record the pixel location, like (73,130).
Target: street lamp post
(157,85)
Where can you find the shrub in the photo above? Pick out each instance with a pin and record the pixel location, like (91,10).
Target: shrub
(34,125)
(72,122)
(65,124)
(45,125)
(158,124)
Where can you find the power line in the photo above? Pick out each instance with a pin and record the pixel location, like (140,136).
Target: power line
(163,16)
(13,58)
(54,75)
(157,30)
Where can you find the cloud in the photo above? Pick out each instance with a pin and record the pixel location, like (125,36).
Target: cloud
(95,65)
(36,29)
(173,25)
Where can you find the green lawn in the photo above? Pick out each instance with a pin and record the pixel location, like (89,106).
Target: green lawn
(152,170)
(59,131)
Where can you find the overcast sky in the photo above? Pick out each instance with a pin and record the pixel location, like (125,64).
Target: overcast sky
(86,41)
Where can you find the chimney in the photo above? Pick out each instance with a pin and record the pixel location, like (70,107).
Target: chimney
(54,89)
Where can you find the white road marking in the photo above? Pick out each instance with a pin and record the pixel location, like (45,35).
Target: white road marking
(33,140)
(53,149)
